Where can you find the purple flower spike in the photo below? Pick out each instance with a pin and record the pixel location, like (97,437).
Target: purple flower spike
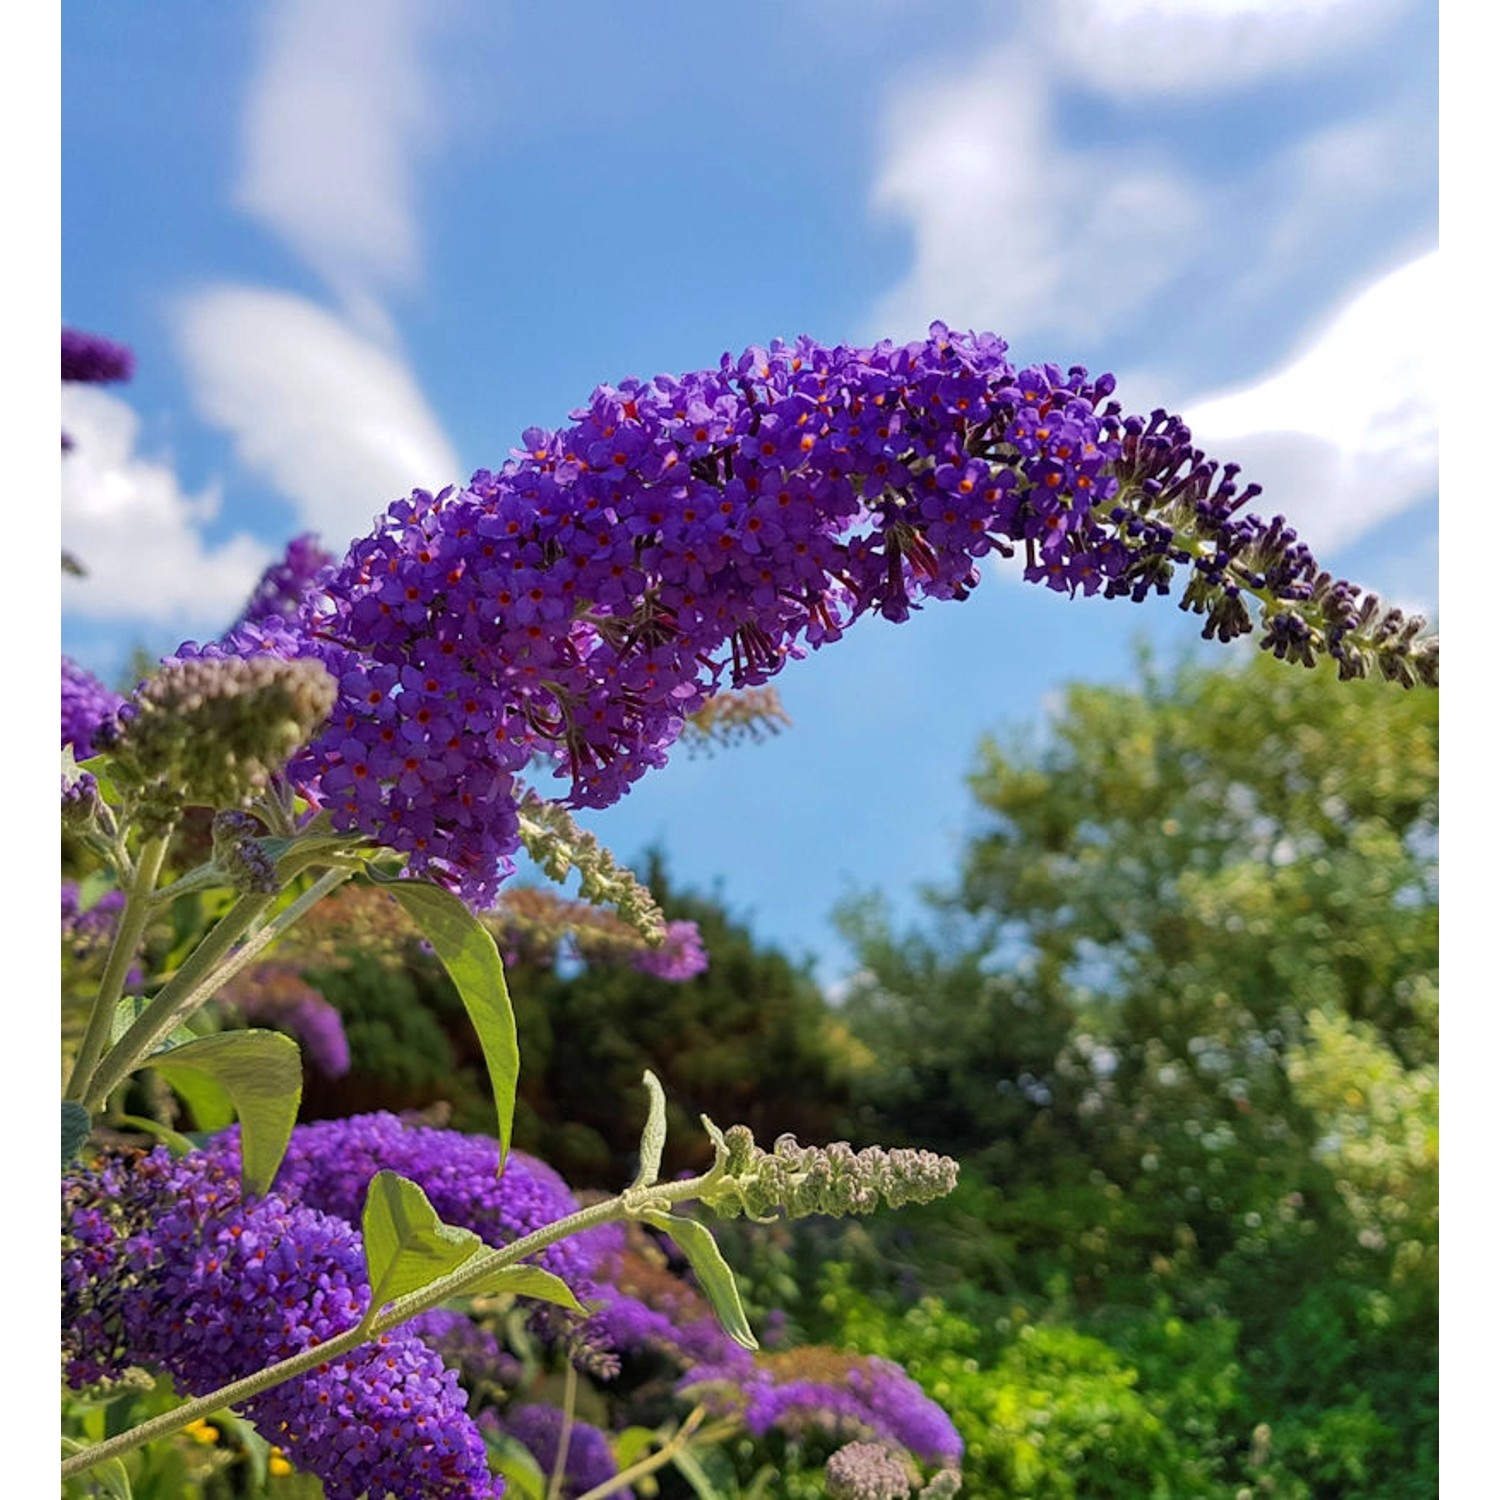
(165,1266)
(89,711)
(689,534)
(96,361)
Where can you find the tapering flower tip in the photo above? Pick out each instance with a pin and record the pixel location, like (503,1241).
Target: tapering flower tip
(868,1471)
(89,711)
(837,1180)
(88,358)
(285,587)
(212,731)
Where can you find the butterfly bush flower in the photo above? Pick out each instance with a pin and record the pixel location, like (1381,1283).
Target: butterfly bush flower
(166,1266)
(88,358)
(689,534)
(681,956)
(89,711)
(329,1164)
(277,995)
(285,586)
(834,1392)
(589,1462)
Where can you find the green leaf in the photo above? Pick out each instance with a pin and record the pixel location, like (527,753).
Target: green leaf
(107,1481)
(528,1281)
(76,1126)
(711,1269)
(261,1074)
(690,1467)
(654,1136)
(407,1246)
(472,960)
(634,1444)
(128,1012)
(523,1474)
(175,1142)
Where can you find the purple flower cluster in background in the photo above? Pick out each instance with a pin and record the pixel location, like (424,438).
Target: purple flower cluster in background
(329,1164)
(88,358)
(87,932)
(695,533)
(277,995)
(164,1265)
(845,1395)
(589,1461)
(89,711)
(681,956)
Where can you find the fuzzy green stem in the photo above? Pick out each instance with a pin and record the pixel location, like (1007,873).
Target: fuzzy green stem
(127,939)
(478,1268)
(565,1433)
(208,968)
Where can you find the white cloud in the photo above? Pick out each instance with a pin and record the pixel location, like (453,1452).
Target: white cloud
(337,118)
(1132,49)
(1012,230)
(1345,436)
(128,520)
(333,419)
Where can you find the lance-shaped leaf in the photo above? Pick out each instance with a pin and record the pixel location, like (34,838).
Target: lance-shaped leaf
(527,1281)
(260,1075)
(654,1136)
(407,1246)
(472,960)
(711,1269)
(76,1126)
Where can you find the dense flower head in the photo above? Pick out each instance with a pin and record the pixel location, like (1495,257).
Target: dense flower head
(832,1391)
(868,1471)
(213,730)
(329,1164)
(589,1461)
(89,711)
(689,534)
(166,1266)
(86,357)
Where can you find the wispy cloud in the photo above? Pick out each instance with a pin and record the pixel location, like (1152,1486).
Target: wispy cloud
(127,518)
(337,118)
(334,419)
(1025,219)
(1012,230)
(1133,49)
(1344,436)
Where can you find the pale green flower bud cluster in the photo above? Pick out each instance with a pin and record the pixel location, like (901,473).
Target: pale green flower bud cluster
(792,1181)
(212,731)
(559,845)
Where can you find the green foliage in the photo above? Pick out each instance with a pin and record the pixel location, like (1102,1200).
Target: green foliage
(1178,1016)
(468,953)
(748,1040)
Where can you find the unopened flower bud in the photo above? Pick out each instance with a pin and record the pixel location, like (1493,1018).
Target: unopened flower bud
(212,731)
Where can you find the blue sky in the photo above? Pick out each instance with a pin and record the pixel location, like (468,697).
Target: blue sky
(360,246)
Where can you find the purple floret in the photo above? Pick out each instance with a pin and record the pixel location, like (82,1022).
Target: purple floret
(681,956)
(166,1266)
(329,1164)
(88,358)
(89,710)
(285,587)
